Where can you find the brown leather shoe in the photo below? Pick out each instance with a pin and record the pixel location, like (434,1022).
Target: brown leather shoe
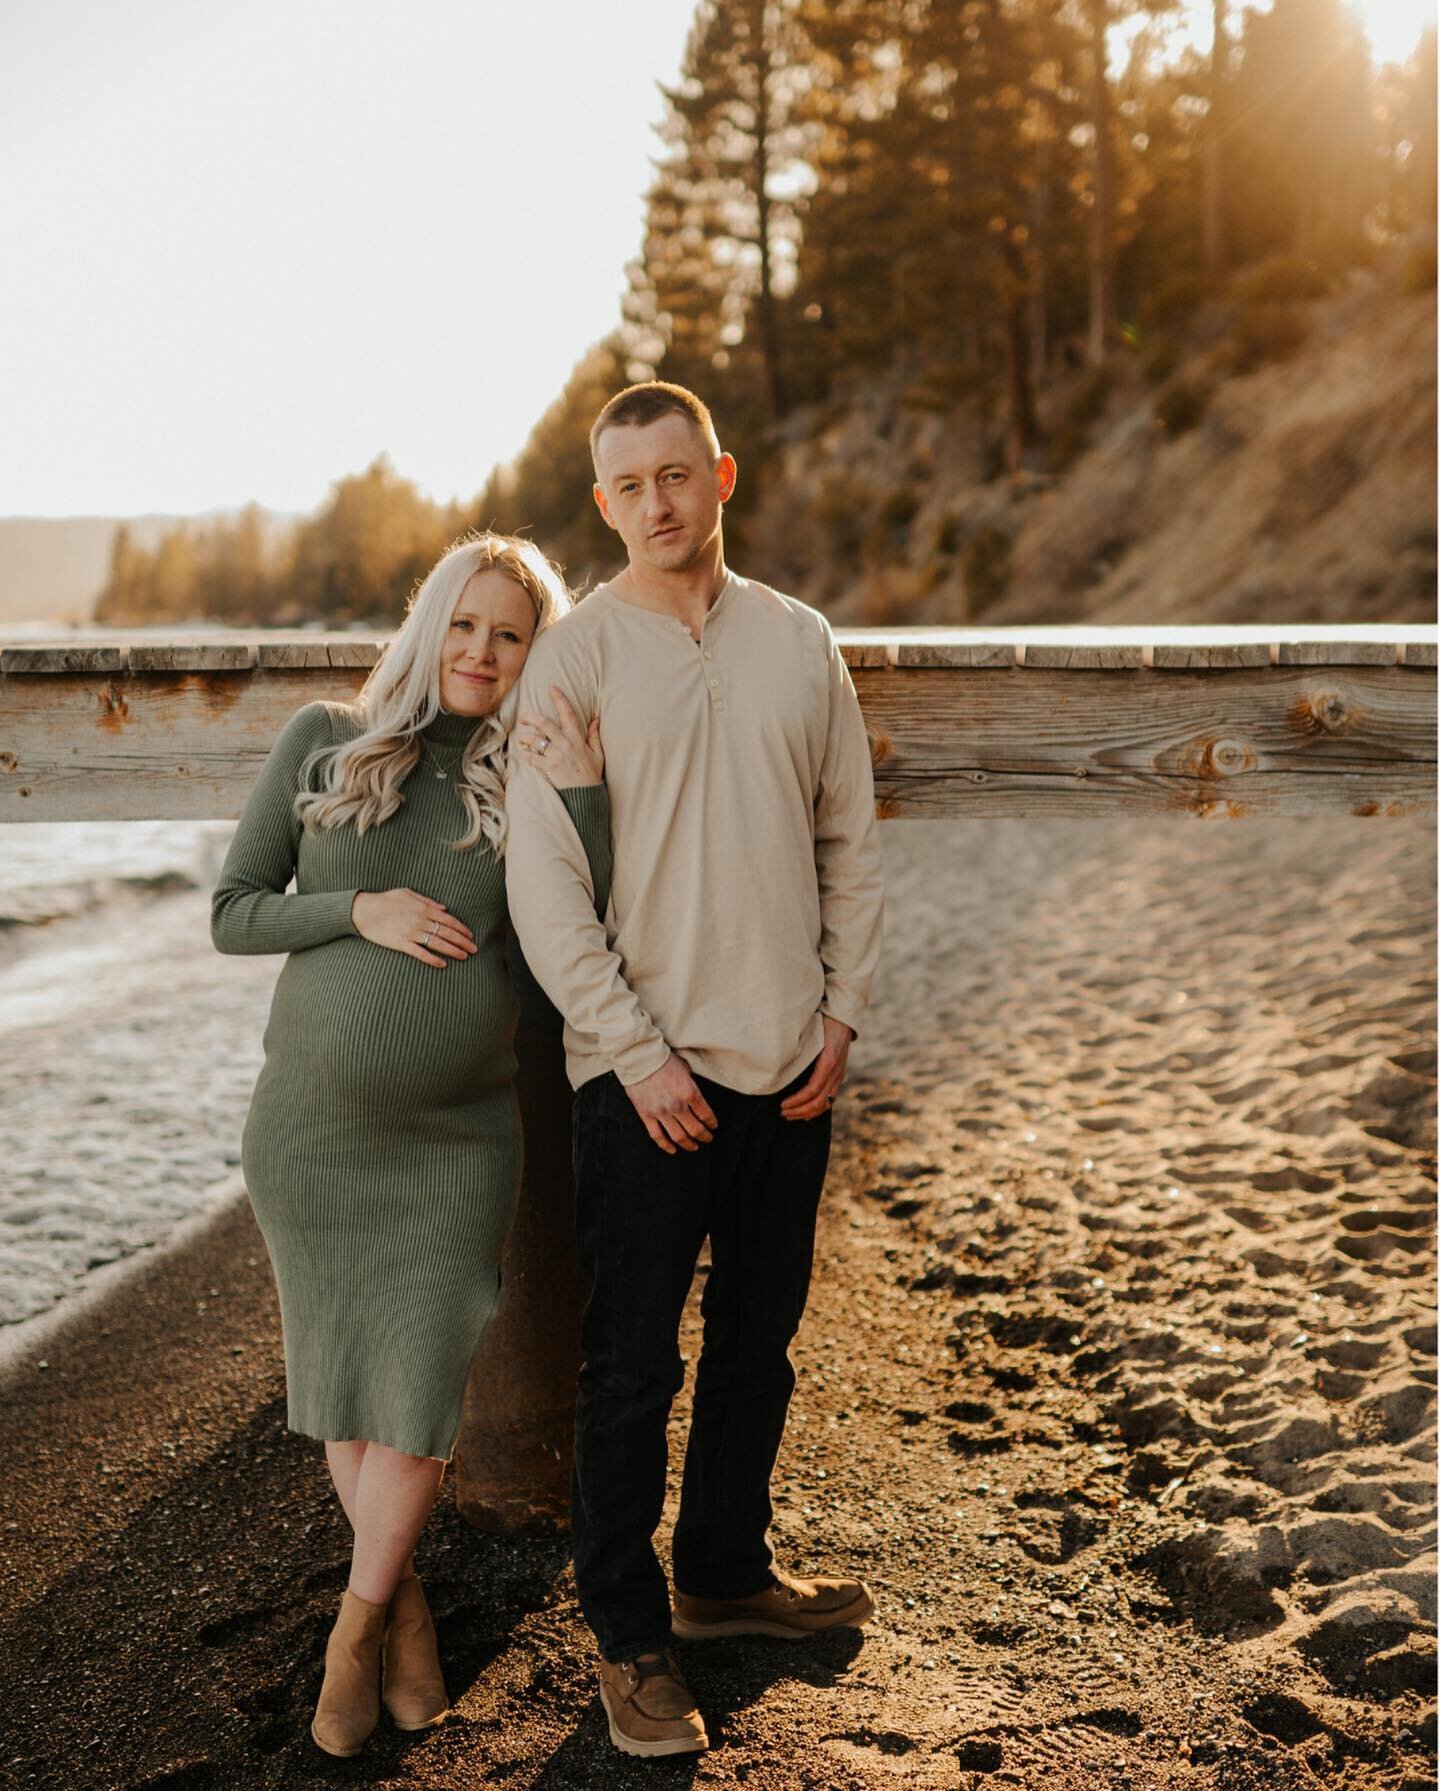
(650,1707)
(414,1687)
(790,1609)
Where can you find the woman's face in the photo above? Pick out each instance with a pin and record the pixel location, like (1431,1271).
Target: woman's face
(491,628)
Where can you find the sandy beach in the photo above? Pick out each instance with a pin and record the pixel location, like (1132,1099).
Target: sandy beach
(1117,1380)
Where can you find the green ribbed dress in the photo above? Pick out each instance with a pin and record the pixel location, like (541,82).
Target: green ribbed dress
(382,1149)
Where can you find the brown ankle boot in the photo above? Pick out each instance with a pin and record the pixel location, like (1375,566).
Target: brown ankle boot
(349,1704)
(414,1687)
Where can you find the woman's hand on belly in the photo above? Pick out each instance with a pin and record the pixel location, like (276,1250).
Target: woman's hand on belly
(403,921)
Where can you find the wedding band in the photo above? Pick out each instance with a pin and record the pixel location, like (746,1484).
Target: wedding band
(431,934)
(544,743)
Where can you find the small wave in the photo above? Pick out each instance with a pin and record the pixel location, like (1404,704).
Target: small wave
(25,909)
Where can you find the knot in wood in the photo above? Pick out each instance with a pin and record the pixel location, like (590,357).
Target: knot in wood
(1229,757)
(880,747)
(1323,712)
(8,762)
(1218,758)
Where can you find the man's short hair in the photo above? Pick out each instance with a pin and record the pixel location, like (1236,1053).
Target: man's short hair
(646,403)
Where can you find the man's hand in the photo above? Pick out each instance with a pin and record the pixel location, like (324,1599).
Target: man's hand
(826,1079)
(673,1108)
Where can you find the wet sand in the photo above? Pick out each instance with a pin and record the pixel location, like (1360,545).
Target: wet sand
(130,1050)
(1116,1382)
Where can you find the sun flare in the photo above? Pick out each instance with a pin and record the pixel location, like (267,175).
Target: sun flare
(1393,27)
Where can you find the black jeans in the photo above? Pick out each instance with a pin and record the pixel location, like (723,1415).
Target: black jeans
(641,1218)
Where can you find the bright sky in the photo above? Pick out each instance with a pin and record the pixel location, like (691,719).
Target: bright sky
(1392,27)
(250,244)
(253,243)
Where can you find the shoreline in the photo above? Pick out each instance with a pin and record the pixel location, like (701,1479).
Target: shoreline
(132,1047)
(108,1289)
(1115,1381)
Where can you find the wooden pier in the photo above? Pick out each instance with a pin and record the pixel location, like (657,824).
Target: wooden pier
(1200,722)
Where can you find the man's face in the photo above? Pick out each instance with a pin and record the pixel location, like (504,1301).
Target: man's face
(659,487)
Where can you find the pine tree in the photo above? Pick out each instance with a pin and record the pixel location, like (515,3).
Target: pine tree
(546,491)
(720,215)
(939,212)
(126,597)
(1216,118)
(359,556)
(1302,121)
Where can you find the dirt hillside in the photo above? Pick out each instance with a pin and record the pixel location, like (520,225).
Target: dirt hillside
(1299,489)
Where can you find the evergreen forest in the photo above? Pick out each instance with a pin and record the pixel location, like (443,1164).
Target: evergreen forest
(963,231)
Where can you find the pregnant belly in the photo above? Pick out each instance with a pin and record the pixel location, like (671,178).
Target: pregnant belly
(355,1024)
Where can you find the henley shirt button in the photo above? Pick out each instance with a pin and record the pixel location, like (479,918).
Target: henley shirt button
(714,684)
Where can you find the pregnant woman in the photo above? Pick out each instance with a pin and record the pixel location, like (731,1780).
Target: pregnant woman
(382,1150)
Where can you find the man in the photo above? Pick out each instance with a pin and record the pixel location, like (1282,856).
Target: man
(708,1021)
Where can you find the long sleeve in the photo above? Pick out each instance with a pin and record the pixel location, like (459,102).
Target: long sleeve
(553,907)
(847,853)
(553,896)
(250,911)
(588,806)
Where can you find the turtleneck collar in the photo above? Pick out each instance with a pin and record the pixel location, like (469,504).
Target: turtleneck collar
(451,730)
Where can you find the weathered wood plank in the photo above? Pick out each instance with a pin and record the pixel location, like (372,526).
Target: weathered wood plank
(303,655)
(1041,656)
(292,655)
(363,654)
(863,653)
(198,656)
(342,652)
(1262,740)
(1035,796)
(863,646)
(1219,725)
(1167,656)
(1147,638)
(50,661)
(1422,654)
(161,746)
(950,655)
(1309,652)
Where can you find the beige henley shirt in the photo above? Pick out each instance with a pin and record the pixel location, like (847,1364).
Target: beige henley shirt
(746,895)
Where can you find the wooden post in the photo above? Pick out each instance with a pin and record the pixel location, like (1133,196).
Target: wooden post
(512,1464)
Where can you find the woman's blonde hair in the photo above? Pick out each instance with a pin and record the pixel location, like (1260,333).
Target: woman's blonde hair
(360,781)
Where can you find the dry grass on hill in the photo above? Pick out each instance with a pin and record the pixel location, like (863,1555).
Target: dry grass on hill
(1302,489)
